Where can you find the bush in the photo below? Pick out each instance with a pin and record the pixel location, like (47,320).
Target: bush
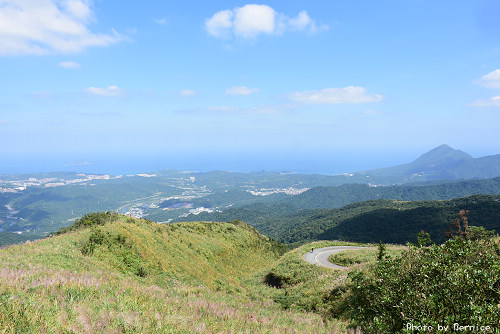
(97,237)
(457,282)
(90,220)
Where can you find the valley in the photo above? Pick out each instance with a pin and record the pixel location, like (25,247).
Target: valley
(35,205)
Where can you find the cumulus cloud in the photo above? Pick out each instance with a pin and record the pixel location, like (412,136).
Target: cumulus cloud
(110,91)
(69,64)
(351,94)
(220,24)
(490,80)
(251,20)
(49,26)
(187,93)
(241,90)
(491,102)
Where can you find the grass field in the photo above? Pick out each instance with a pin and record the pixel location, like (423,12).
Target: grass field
(131,276)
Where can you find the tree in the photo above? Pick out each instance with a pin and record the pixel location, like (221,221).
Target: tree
(424,239)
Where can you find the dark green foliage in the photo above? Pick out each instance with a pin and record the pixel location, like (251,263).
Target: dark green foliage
(395,221)
(141,271)
(90,220)
(387,220)
(116,244)
(97,237)
(479,233)
(424,239)
(456,282)
(381,251)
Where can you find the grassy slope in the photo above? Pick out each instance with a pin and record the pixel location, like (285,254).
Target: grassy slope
(145,277)
(305,286)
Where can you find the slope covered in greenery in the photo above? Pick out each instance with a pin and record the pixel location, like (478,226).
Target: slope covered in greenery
(392,221)
(113,273)
(336,197)
(453,287)
(396,221)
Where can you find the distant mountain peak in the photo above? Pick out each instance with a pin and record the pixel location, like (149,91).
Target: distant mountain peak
(442,154)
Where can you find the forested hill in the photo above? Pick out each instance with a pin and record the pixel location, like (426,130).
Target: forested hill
(391,221)
(336,197)
(394,221)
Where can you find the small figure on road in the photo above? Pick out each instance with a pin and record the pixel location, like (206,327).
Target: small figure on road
(312,250)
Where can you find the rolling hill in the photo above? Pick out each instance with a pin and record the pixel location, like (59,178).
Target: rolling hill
(114,273)
(392,221)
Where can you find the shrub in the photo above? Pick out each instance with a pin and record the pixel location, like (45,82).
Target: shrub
(90,220)
(456,282)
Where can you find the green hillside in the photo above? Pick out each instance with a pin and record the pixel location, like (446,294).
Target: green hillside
(391,221)
(113,273)
(336,197)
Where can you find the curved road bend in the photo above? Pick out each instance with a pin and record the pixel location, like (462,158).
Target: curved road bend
(320,256)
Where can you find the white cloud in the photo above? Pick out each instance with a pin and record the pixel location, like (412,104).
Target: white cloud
(69,64)
(48,26)
(110,91)
(303,22)
(187,93)
(490,80)
(241,90)
(491,102)
(220,24)
(251,20)
(160,21)
(351,94)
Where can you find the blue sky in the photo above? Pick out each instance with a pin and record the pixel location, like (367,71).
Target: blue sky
(370,83)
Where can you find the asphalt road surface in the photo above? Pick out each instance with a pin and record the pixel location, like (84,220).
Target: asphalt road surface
(320,256)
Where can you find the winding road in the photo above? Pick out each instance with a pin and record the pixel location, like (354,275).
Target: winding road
(320,256)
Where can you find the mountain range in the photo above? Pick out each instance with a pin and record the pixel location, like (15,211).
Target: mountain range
(440,163)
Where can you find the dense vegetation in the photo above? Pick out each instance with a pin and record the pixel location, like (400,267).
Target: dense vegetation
(391,221)
(336,197)
(427,289)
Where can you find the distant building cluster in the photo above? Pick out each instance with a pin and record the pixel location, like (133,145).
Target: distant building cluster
(270,191)
(17,185)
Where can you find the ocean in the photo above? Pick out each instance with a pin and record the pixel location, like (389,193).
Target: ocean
(307,162)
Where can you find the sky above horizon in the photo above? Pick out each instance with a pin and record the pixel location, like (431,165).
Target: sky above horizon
(297,79)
